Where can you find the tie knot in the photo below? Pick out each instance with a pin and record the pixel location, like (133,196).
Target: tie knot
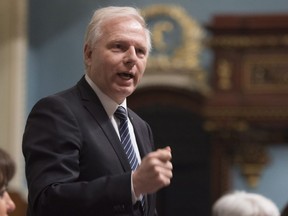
(120,113)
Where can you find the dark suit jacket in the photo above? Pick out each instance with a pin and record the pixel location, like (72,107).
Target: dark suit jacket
(75,165)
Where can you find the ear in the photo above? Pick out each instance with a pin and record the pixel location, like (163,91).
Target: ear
(87,54)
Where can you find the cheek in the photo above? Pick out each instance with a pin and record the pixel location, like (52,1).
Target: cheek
(139,77)
(143,64)
(142,68)
(2,207)
(106,62)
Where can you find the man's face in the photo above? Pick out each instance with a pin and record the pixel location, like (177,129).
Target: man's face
(117,61)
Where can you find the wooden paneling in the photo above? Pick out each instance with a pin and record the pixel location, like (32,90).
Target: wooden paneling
(248,108)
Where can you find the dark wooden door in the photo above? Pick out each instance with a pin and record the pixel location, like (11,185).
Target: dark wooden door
(176,123)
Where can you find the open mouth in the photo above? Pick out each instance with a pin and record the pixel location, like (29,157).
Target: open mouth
(126,76)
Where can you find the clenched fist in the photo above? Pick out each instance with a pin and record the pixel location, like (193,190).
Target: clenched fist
(154,172)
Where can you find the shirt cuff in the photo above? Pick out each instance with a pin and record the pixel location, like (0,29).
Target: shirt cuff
(134,198)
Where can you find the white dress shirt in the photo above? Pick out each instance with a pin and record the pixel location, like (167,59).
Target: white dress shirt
(110,107)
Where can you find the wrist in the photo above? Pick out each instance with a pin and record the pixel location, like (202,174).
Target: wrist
(134,185)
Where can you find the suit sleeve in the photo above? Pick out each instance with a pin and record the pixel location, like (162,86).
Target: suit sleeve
(52,144)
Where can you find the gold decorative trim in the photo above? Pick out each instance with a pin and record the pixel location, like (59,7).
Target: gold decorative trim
(247,112)
(265,73)
(248,41)
(252,158)
(177,43)
(185,54)
(224,71)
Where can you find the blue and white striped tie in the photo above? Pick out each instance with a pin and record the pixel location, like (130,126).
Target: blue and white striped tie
(120,113)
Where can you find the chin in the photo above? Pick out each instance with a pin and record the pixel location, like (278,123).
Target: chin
(126,90)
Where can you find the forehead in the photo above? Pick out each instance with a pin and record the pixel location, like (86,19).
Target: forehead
(124,28)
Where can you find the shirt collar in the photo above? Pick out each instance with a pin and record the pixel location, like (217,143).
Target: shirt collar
(109,105)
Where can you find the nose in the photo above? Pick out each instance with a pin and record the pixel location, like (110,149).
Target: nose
(9,203)
(130,57)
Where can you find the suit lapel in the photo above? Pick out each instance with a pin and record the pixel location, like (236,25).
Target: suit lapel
(142,140)
(95,108)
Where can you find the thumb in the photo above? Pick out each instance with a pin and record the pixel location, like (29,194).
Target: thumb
(168,148)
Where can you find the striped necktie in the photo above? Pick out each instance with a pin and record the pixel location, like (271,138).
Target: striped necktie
(121,114)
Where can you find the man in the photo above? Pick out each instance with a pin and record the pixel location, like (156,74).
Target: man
(75,162)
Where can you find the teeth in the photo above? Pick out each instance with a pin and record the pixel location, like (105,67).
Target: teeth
(126,75)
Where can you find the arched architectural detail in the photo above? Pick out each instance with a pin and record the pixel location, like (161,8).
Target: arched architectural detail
(177,41)
(13,51)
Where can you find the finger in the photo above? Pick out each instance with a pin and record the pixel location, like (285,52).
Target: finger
(158,168)
(165,165)
(161,154)
(167,148)
(165,172)
(168,165)
(163,178)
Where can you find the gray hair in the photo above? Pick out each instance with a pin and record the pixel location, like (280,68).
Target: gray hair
(240,203)
(94,29)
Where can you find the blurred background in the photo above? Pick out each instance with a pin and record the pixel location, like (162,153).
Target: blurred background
(218,70)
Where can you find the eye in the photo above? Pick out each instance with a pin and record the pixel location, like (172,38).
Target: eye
(116,47)
(141,52)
